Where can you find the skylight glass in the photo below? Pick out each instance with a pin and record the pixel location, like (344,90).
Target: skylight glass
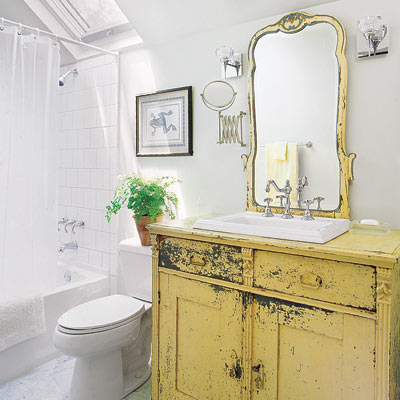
(95,15)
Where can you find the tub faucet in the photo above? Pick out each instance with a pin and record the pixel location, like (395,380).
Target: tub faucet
(62,221)
(77,223)
(69,222)
(286,190)
(68,246)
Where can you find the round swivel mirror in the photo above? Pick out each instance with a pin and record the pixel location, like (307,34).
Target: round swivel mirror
(218,95)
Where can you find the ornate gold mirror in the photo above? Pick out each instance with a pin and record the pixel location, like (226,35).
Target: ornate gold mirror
(297,99)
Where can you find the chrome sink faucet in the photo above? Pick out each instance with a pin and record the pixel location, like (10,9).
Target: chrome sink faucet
(301,183)
(286,190)
(267,210)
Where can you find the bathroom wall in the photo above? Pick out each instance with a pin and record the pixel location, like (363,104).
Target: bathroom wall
(87,140)
(214,180)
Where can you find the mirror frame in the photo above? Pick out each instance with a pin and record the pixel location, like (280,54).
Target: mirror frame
(293,23)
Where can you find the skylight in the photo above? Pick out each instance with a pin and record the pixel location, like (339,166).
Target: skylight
(89,20)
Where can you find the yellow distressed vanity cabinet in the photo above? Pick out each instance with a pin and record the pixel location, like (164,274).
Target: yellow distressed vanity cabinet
(246,317)
(243,317)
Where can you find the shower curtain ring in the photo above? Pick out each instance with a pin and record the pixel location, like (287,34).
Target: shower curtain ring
(2,24)
(55,40)
(37,33)
(19,29)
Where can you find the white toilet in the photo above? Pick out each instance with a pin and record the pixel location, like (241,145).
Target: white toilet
(111,336)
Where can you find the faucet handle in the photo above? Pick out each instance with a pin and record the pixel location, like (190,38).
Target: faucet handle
(62,221)
(301,182)
(281,197)
(77,223)
(69,222)
(268,212)
(318,200)
(307,213)
(269,200)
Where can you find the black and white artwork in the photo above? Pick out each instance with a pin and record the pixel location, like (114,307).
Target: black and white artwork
(164,123)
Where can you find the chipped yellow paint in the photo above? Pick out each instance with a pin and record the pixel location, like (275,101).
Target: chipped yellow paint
(382,251)
(311,354)
(384,303)
(395,335)
(288,340)
(292,23)
(200,340)
(244,317)
(223,262)
(155,247)
(278,295)
(332,281)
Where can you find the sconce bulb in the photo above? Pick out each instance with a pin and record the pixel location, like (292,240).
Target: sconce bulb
(373,29)
(224,53)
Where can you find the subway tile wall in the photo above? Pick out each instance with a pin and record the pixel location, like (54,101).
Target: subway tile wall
(87,140)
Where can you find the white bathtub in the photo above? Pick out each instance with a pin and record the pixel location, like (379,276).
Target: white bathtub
(75,284)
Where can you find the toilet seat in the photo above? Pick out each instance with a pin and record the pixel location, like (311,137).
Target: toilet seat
(101,315)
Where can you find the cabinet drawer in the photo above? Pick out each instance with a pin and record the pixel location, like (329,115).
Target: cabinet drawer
(207,259)
(332,281)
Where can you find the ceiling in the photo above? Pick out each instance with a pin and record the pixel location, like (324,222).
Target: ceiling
(19,11)
(158,21)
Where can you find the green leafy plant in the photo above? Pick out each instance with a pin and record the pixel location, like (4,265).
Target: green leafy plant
(145,197)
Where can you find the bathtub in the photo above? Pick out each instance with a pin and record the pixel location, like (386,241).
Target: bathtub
(75,284)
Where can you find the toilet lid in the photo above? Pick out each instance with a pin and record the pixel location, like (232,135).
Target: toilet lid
(101,313)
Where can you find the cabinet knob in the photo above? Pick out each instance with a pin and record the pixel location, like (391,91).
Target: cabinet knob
(259,380)
(236,370)
(197,260)
(310,280)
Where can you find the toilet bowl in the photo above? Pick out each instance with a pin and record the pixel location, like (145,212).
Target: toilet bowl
(110,337)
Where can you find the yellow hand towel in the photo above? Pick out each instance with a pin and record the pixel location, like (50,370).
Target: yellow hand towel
(278,150)
(280,169)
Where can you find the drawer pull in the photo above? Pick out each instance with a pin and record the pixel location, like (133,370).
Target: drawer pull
(197,260)
(310,280)
(259,380)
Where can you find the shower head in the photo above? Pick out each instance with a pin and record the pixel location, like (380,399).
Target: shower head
(61,79)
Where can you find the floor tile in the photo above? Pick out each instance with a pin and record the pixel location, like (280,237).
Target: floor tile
(51,381)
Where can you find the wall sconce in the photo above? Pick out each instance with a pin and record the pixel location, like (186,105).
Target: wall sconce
(372,37)
(231,62)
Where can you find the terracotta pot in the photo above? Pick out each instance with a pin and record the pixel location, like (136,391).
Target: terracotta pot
(144,234)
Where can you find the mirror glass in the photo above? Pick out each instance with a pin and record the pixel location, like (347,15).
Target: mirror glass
(218,95)
(296,90)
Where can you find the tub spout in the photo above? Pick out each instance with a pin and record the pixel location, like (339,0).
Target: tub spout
(68,246)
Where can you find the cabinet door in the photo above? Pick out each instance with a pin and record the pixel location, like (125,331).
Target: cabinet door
(307,353)
(200,340)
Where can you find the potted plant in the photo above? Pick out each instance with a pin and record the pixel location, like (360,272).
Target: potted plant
(147,198)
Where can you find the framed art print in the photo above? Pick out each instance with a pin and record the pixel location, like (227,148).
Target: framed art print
(164,123)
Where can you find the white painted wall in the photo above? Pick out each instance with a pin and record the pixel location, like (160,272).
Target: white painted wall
(214,180)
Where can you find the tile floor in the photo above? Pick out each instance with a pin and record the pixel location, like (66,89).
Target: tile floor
(51,381)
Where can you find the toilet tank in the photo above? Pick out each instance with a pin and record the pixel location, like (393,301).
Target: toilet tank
(135,270)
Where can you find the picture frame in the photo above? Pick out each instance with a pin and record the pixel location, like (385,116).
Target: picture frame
(164,123)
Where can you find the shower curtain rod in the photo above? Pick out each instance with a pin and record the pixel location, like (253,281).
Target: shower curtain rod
(56,37)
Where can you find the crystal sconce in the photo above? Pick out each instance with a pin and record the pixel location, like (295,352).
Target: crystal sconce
(372,37)
(231,62)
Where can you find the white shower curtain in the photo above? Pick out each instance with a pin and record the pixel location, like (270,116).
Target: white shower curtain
(29,68)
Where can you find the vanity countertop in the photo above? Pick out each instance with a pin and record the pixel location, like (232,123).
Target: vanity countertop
(383,251)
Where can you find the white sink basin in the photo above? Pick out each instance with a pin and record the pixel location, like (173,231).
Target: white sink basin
(320,230)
